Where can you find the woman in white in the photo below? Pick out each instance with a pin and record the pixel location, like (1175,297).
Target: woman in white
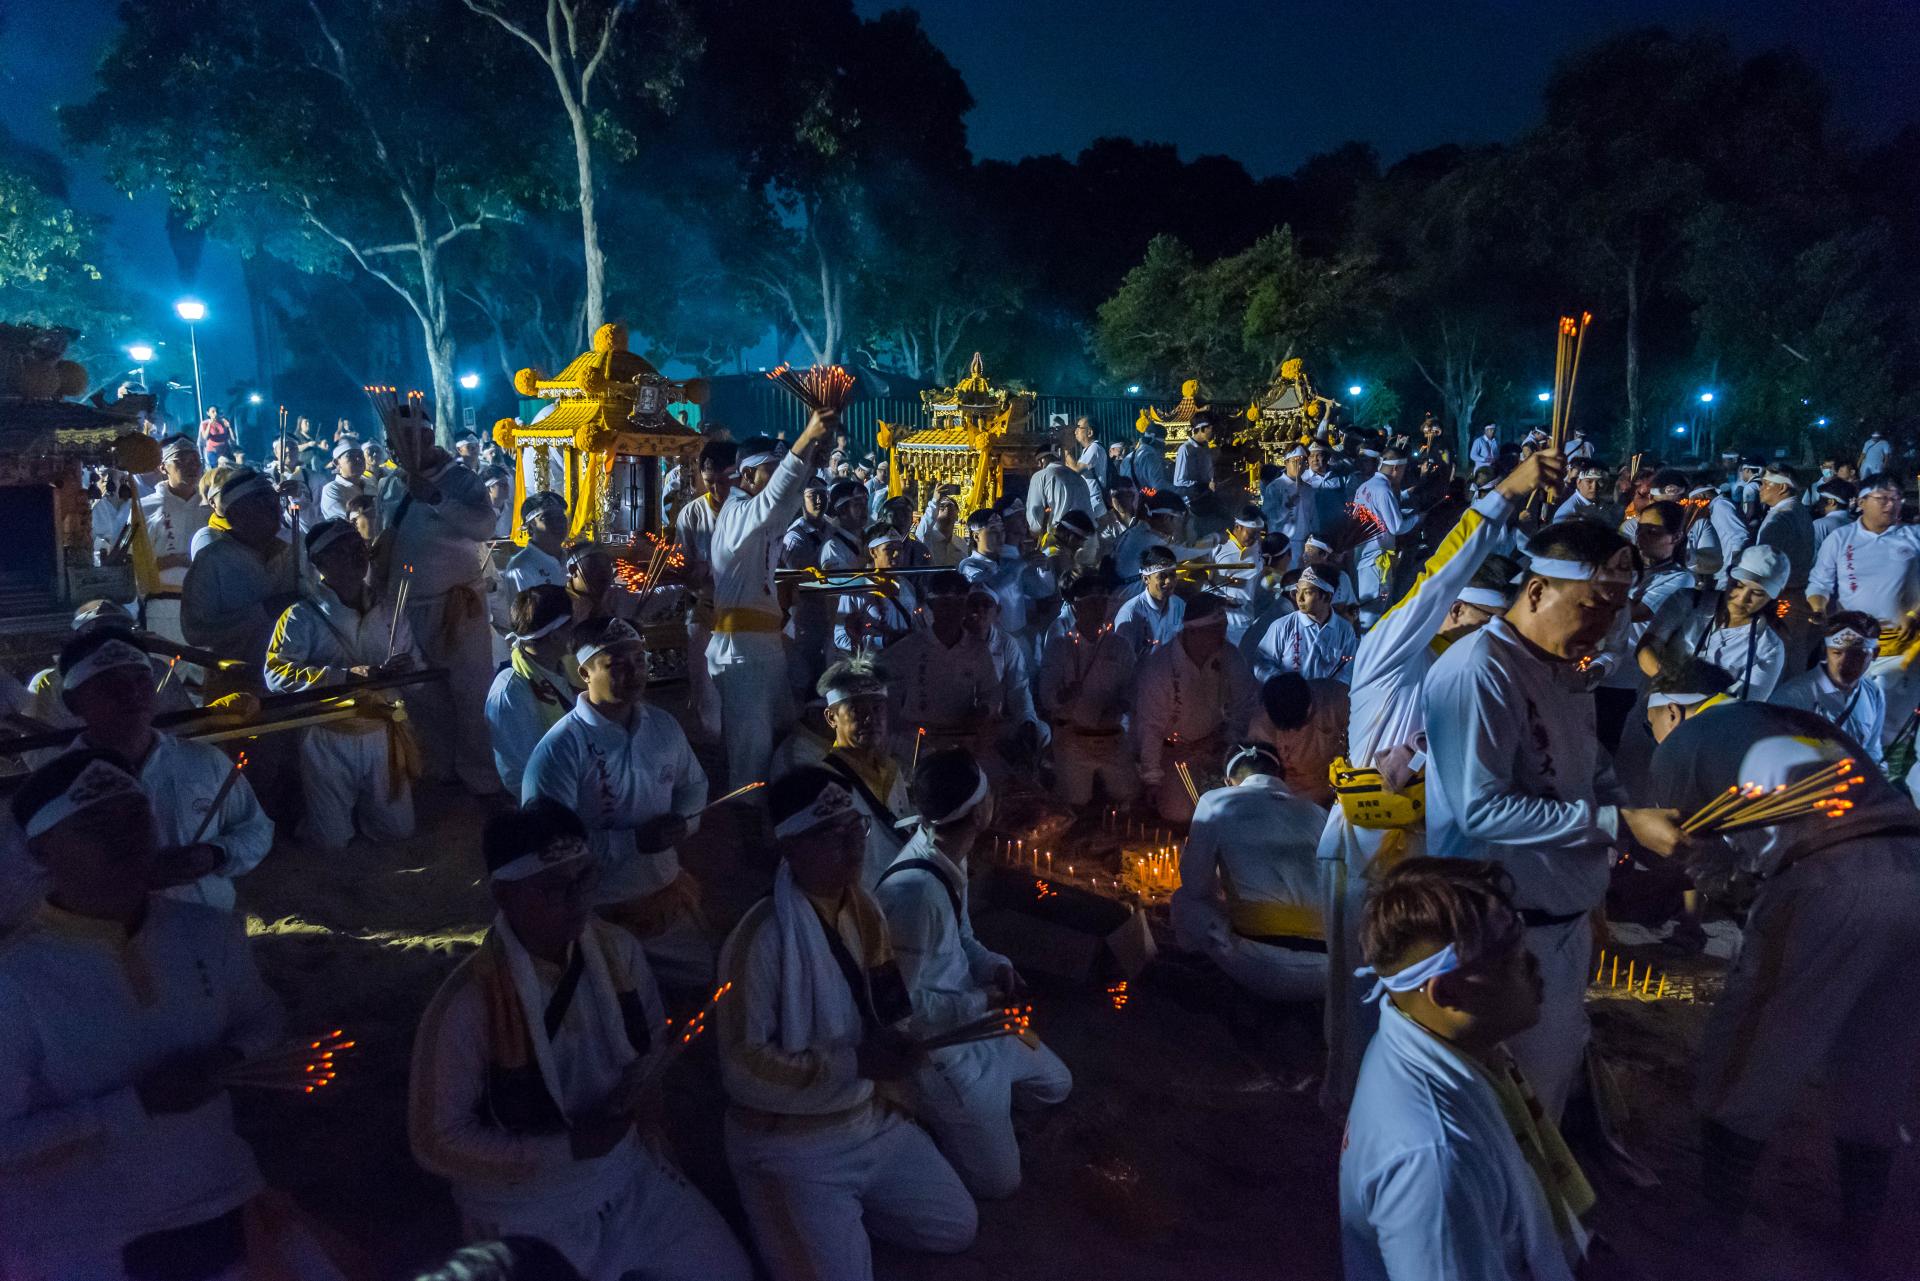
(1736,632)
(536,688)
(1313,640)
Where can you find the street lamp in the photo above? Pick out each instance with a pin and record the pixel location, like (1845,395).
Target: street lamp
(1544,397)
(193,311)
(141,354)
(1133,389)
(469,381)
(1706,398)
(1355,389)
(253,398)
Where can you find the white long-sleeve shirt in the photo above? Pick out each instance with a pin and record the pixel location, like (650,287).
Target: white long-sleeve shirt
(1483,452)
(1054,491)
(109,520)
(338,493)
(1433,1185)
(1251,843)
(939,687)
(1175,696)
(1240,587)
(1299,642)
(1146,625)
(319,639)
(496,1171)
(616,778)
(1015,582)
(1730,530)
(1878,574)
(519,714)
(946,968)
(1755,654)
(442,540)
(1860,712)
(223,603)
(1517,774)
(1377,495)
(1085,681)
(1192,468)
(88,1014)
(172,521)
(745,551)
(1788,529)
(1147,464)
(693,530)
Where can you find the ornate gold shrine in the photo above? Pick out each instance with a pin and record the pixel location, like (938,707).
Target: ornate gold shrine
(1288,413)
(599,441)
(980,437)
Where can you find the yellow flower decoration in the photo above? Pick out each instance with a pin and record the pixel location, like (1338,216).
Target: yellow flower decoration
(1292,369)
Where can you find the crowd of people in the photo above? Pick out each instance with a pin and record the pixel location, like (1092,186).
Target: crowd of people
(1415,718)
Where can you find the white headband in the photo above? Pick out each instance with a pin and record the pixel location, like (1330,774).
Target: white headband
(1575,571)
(835,697)
(833,804)
(1369,453)
(959,811)
(328,536)
(1243,523)
(1250,750)
(551,626)
(1484,597)
(177,449)
(1847,638)
(1677,700)
(344,447)
(619,632)
(1295,452)
(1414,977)
(99,781)
(102,609)
(881,540)
(236,490)
(114,653)
(756,460)
(1312,579)
(1320,543)
(555,853)
(1776,478)
(1392,458)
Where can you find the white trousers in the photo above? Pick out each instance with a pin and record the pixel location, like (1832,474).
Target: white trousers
(1900,685)
(1550,1052)
(1822,987)
(659,1228)
(813,1198)
(967,1095)
(703,700)
(344,779)
(756,707)
(1079,760)
(1271,972)
(452,714)
(1369,582)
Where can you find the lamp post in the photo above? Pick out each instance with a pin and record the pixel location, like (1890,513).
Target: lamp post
(193,311)
(141,354)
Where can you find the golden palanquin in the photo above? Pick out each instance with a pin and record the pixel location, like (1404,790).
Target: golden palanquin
(981,437)
(1288,413)
(600,440)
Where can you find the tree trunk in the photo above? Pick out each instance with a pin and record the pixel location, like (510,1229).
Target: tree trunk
(596,262)
(1633,351)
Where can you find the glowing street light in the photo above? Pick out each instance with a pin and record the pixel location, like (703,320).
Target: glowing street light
(1544,397)
(469,381)
(193,311)
(1133,389)
(1706,398)
(253,398)
(140,352)
(1355,390)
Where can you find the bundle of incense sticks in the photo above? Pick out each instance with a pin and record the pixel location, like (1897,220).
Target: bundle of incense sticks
(1357,528)
(299,1067)
(168,674)
(647,1072)
(1186,778)
(722,800)
(219,799)
(1011,1020)
(1748,805)
(402,416)
(823,388)
(1572,340)
(657,563)
(399,608)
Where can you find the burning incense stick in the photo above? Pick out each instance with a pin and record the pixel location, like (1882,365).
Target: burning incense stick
(399,608)
(823,388)
(219,799)
(1186,777)
(301,1067)
(168,674)
(716,803)
(1749,805)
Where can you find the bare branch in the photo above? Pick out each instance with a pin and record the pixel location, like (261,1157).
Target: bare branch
(488,11)
(600,54)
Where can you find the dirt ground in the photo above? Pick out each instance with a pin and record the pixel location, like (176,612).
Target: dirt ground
(1183,1151)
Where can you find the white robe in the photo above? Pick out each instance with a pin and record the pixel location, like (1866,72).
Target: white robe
(1173,696)
(1433,1186)
(223,604)
(182,777)
(87,1016)
(1054,491)
(1298,642)
(1146,625)
(1859,713)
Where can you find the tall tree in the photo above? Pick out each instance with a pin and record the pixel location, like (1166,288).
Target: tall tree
(575,41)
(340,135)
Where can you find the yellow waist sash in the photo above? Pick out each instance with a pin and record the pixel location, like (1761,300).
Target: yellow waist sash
(1253,919)
(746,620)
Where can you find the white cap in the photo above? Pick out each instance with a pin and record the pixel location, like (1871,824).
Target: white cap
(1764,567)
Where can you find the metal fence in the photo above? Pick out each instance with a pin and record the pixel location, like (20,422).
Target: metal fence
(751,404)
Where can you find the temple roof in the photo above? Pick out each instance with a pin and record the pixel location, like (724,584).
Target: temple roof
(605,400)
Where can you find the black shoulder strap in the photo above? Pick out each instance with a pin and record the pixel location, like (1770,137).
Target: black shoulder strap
(932,868)
(851,776)
(851,971)
(562,999)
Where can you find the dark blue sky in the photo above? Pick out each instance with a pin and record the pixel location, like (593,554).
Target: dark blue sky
(1269,83)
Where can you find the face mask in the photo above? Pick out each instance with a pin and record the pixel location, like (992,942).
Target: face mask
(1825,472)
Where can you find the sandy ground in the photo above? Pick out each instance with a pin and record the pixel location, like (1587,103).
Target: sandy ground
(1182,1153)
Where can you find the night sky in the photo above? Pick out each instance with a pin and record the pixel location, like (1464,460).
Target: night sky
(1269,83)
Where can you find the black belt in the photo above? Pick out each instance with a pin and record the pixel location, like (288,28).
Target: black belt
(1292,942)
(1535,918)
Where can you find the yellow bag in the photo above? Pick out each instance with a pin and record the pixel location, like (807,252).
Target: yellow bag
(1368,802)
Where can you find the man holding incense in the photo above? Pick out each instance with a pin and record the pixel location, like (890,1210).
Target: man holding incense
(1450,1170)
(814,1020)
(1516,774)
(535,1064)
(1821,988)
(1191,698)
(747,656)
(127,1016)
(626,768)
(862,756)
(357,772)
(965,1092)
(210,827)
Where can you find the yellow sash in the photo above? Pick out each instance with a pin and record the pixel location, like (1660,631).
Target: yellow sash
(1569,1195)
(746,620)
(1274,920)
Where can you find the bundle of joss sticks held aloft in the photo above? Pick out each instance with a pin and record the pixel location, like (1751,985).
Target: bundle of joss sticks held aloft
(645,1073)
(1748,805)
(298,1067)
(822,388)
(1186,779)
(1010,1020)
